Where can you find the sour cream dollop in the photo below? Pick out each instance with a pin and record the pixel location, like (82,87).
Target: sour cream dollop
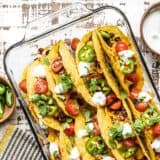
(74,155)
(53,147)
(39,71)
(83,68)
(99,98)
(156,144)
(127,129)
(59,89)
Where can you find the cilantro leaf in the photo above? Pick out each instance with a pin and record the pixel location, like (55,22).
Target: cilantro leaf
(66,82)
(43,110)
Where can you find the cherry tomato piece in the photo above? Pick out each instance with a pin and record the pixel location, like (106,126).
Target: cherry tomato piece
(141,106)
(96,129)
(23,85)
(71,107)
(74,43)
(121,46)
(57,65)
(110,99)
(132,77)
(116,106)
(133,95)
(128,143)
(41,86)
(156,130)
(69,131)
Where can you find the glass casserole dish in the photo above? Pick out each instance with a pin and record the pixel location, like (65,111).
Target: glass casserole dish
(73,21)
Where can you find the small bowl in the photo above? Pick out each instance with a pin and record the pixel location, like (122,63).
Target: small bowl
(149,28)
(8,111)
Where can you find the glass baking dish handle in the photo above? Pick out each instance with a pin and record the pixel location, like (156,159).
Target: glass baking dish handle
(54,20)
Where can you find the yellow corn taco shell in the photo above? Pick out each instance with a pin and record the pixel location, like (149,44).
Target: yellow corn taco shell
(110,51)
(71,68)
(147,132)
(80,142)
(48,121)
(53,138)
(103,119)
(65,145)
(53,78)
(88,38)
(101,59)
(108,118)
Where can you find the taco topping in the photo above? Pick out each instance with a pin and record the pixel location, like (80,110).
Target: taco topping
(74,43)
(116,105)
(46,104)
(41,86)
(41,122)
(23,85)
(53,149)
(59,89)
(57,65)
(132,77)
(99,98)
(110,99)
(141,106)
(119,132)
(156,144)
(86,54)
(128,143)
(127,67)
(83,68)
(144,96)
(87,130)
(148,118)
(39,71)
(69,129)
(64,85)
(156,130)
(74,154)
(121,46)
(72,107)
(96,146)
(127,130)
(128,152)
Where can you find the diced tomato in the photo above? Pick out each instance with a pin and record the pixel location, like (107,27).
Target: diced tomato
(121,46)
(116,106)
(110,99)
(57,65)
(71,107)
(133,77)
(96,130)
(41,86)
(141,106)
(70,130)
(156,130)
(23,85)
(128,143)
(133,95)
(74,43)
(94,75)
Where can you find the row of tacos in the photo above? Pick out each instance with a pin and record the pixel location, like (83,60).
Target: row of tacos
(91,101)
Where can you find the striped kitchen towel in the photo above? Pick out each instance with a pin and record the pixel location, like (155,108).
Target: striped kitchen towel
(17,144)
